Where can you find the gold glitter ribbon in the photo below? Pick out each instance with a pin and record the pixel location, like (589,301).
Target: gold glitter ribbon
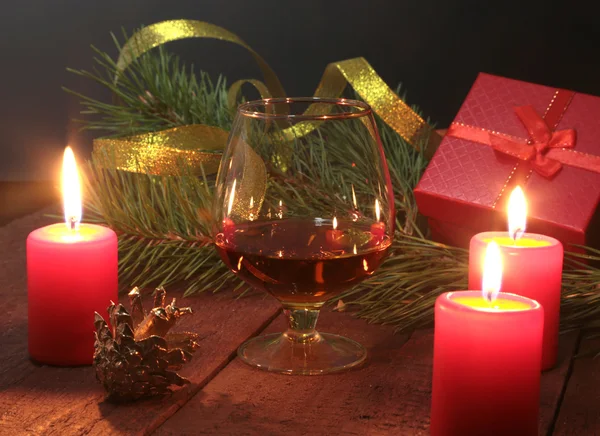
(236,88)
(359,74)
(163,152)
(158,34)
(160,152)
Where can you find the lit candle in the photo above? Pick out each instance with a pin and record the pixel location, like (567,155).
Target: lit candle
(486,360)
(533,268)
(71,273)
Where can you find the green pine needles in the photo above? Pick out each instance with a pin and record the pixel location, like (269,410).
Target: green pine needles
(164,226)
(156,92)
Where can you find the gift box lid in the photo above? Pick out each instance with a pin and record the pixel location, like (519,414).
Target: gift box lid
(467,182)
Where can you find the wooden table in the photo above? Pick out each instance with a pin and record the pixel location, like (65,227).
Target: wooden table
(389,395)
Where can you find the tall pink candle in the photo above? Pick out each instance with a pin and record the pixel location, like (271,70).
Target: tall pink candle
(533,265)
(71,273)
(486,365)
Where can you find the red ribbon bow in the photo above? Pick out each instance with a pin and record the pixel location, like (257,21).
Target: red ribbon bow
(546,150)
(541,140)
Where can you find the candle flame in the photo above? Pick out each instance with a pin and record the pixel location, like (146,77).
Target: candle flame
(365,265)
(71,190)
(354,203)
(354,249)
(334,223)
(231,197)
(492,272)
(377,210)
(517,213)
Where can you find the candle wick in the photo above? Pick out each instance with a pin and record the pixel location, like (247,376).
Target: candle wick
(73,223)
(489,299)
(487,295)
(516,235)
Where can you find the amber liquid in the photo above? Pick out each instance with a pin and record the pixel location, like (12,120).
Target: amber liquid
(303,263)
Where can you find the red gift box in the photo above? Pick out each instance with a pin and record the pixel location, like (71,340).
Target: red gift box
(509,132)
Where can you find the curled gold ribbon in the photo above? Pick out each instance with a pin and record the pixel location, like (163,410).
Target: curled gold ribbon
(160,152)
(374,91)
(236,88)
(361,76)
(157,34)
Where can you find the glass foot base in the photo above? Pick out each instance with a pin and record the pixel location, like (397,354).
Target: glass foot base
(322,353)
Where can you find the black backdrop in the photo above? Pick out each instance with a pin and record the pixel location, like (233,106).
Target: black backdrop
(435,48)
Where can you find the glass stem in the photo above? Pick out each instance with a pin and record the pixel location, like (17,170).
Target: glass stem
(302,323)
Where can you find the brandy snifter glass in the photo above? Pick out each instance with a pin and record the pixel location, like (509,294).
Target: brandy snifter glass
(304,211)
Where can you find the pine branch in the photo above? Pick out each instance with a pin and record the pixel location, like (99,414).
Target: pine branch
(164,223)
(404,290)
(162,227)
(156,92)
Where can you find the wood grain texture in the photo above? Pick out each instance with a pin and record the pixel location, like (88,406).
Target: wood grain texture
(14,364)
(553,381)
(38,399)
(383,397)
(580,410)
(389,396)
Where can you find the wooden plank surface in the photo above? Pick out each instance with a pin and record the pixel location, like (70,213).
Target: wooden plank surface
(14,365)
(389,396)
(580,410)
(553,381)
(38,399)
(384,396)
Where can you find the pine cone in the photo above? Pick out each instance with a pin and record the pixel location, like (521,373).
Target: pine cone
(137,357)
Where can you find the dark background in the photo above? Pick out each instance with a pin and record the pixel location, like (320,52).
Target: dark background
(435,48)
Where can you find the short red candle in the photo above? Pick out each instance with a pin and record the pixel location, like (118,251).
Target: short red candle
(70,275)
(533,268)
(486,365)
